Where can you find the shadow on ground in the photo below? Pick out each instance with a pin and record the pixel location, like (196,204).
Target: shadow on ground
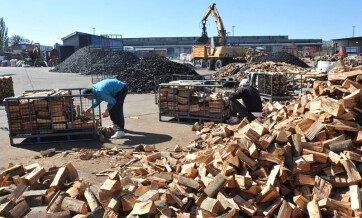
(131,139)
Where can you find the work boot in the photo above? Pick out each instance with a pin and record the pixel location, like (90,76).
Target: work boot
(233,120)
(118,135)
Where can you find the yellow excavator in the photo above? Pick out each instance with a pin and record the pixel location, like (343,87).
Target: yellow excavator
(214,52)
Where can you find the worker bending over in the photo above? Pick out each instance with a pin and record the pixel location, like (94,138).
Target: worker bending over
(252,107)
(114,92)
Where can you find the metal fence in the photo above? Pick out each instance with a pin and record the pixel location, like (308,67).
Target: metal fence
(44,116)
(192,100)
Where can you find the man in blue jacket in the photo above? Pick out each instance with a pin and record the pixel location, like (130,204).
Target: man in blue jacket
(114,92)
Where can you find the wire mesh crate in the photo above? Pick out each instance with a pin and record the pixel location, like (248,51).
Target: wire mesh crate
(277,86)
(187,101)
(173,77)
(43,116)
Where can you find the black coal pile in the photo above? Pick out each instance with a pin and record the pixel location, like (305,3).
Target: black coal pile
(282,57)
(92,60)
(140,77)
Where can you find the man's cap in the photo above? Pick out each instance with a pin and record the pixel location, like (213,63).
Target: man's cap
(244,82)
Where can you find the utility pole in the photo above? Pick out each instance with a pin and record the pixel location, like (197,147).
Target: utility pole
(94,30)
(233,29)
(353,27)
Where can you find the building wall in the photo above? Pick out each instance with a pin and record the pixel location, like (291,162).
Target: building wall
(349,43)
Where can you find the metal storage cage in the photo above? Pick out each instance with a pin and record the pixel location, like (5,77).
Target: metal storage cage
(173,77)
(44,116)
(278,86)
(192,100)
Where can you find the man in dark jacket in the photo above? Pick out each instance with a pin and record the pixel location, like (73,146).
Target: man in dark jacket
(252,107)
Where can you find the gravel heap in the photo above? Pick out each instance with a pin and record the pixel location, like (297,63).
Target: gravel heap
(86,60)
(282,57)
(140,77)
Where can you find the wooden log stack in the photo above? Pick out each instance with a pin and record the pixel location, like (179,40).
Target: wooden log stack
(36,114)
(181,99)
(6,87)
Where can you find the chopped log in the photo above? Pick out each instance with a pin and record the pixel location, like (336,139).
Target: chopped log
(6,207)
(109,213)
(31,167)
(359,137)
(60,177)
(317,156)
(267,194)
(253,151)
(34,193)
(74,205)
(314,129)
(142,208)
(332,141)
(212,205)
(353,156)
(128,202)
(32,177)
(297,141)
(353,175)
(172,198)
(153,157)
(343,75)
(115,202)
(251,163)
(111,185)
(150,195)
(55,204)
(63,214)
(213,188)
(272,158)
(34,201)
(20,189)
(343,208)
(282,136)
(269,210)
(19,210)
(273,175)
(246,207)
(303,126)
(355,195)
(355,95)
(300,201)
(94,214)
(322,188)
(332,107)
(313,209)
(333,170)
(333,157)
(266,140)
(188,182)
(345,125)
(14,170)
(341,146)
(92,201)
(285,210)
(315,146)
(48,152)
(302,179)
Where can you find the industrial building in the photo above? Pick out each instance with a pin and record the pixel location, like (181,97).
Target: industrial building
(176,45)
(352,45)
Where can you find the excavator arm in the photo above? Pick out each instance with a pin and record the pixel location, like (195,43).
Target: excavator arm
(219,25)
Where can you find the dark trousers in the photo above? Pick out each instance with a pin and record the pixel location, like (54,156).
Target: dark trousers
(237,108)
(116,113)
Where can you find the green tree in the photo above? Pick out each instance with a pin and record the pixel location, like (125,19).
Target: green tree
(4,39)
(17,39)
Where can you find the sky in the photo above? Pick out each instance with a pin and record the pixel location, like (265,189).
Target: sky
(47,21)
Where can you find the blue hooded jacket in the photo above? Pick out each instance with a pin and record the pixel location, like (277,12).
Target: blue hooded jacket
(106,90)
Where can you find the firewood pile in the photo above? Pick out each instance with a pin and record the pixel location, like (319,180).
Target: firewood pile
(34,115)
(140,77)
(177,95)
(282,57)
(6,87)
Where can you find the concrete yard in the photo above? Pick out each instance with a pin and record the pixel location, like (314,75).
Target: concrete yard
(145,130)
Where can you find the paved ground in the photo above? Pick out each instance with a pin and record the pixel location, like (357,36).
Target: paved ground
(145,130)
